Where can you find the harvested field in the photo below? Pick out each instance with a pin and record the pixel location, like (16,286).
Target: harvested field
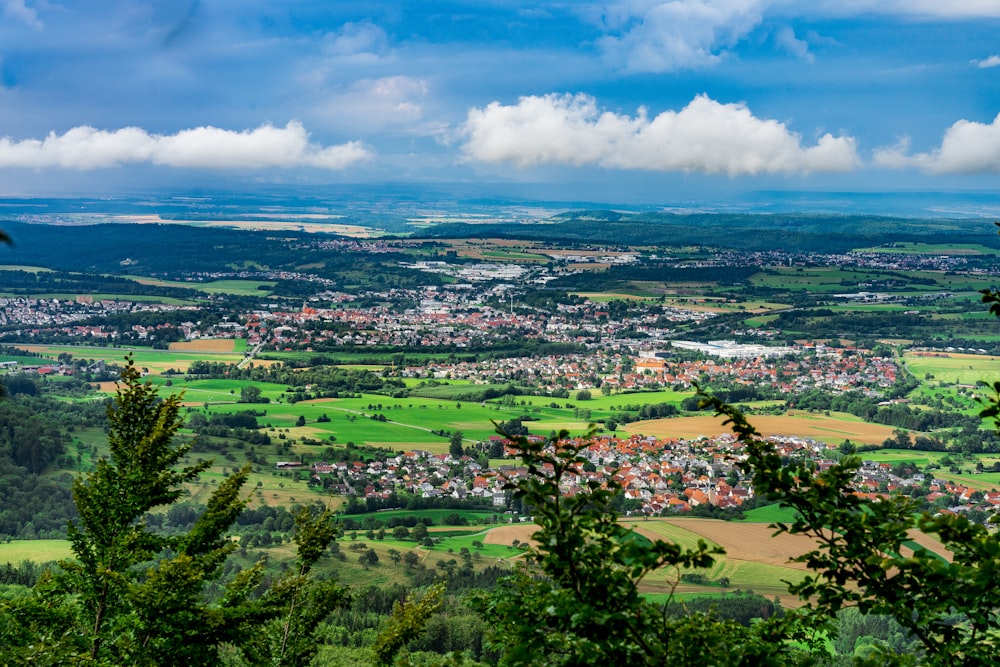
(931,544)
(749,541)
(205,345)
(507,534)
(832,429)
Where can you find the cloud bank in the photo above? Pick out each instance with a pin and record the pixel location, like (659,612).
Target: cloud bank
(967,148)
(705,136)
(663,36)
(666,35)
(208,147)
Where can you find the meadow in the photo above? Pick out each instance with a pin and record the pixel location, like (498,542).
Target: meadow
(38,551)
(953,367)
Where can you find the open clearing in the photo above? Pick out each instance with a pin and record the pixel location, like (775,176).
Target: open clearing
(506,535)
(38,551)
(832,429)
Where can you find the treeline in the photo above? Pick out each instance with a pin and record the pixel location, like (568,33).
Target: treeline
(35,434)
(409,501)
(32,283)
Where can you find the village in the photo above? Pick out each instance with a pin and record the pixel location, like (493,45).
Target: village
(658,476)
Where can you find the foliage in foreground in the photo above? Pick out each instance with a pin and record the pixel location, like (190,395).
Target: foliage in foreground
(134,596)
(575,601)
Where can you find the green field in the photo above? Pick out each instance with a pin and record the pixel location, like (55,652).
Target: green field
(156,360)
(234,287)
(38,551)
(967,369)
(769,514)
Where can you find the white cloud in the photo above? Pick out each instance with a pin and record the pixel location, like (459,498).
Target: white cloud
(357,42)
(392,103)
(941,9)
(662,36)
(991,61)
(203,147)
(967,147)
(785,38)
(666,35)
(705,136)
(18,11)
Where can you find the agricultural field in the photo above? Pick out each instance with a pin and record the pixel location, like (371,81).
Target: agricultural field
(156,361)
(233,287)
(832,429)
(966,464)
(953,367)
(754,560)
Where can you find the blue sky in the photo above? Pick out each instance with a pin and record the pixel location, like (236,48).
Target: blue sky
(605,99)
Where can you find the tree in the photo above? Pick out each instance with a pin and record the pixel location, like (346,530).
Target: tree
(455,446)
(583,395)
(250,394)
(575,600)
(419,531)
(135,596)
(151,613)
(368,558)
(952,608)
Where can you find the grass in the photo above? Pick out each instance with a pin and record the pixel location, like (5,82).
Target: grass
(38,551)
(234,287)
(967,369)
(769,514)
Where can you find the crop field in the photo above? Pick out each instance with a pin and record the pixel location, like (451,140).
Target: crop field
(832,429)
(754,560)
(156,361)
(234,287)
(505,535)
(205,345)
(967,369)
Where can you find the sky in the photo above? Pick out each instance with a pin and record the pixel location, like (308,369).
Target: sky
(601,100)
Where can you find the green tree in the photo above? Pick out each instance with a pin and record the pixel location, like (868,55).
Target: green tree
(134,596)
(455,446)
(419,531)
(575,601)
(250,394)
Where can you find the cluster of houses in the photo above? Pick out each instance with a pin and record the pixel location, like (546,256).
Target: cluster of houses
(656,475)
